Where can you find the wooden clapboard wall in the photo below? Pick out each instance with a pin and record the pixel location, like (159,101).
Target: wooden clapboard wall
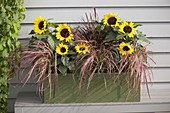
(153,14)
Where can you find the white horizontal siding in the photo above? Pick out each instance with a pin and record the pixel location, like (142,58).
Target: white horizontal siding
(156,29)
(92,3)
(76,14)
(161,75)
(159,44)
(160,59)
(159,92)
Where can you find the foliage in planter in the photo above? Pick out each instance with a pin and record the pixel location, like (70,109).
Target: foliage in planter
(107,46)
(11,14)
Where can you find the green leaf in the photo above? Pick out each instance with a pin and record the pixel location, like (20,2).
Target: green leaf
(65,60)
(142,37)
(3,81)
(4,43)
(22,17)
(32,32)
(9,42)
(18,44)
(63,70)
(59,61)
(45,36)
(52,25)
(15,28)
(13,35)
(5,63)
(11,48)
(8,8)
(122,36)
(1,47)
(8,27)
(0,21)
(110,37)
(6,69)
(15,16)
(71,52)
(51,42)
(5,53)
(136,25)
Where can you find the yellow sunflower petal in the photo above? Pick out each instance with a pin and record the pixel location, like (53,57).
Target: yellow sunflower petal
(62,49)
(64,33)
(82,48)
(111,19)
(125,49)
(40,25)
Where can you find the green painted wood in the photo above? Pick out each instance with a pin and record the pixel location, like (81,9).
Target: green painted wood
(112,90)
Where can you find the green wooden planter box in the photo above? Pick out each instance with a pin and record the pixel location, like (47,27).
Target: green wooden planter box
(102,89)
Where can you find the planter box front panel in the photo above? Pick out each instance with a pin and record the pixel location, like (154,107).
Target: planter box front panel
(102,89)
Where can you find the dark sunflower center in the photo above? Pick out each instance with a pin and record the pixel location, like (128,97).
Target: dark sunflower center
(126,48)
(63,50)
(112,21)
(64,33)
(82,49)
(41,25)
(127,29)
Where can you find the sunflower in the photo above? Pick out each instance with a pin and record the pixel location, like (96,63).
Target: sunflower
(129,28)
(64,33)
(125,49)
(111,19)
(40,25)
(81,48)
(62,49)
